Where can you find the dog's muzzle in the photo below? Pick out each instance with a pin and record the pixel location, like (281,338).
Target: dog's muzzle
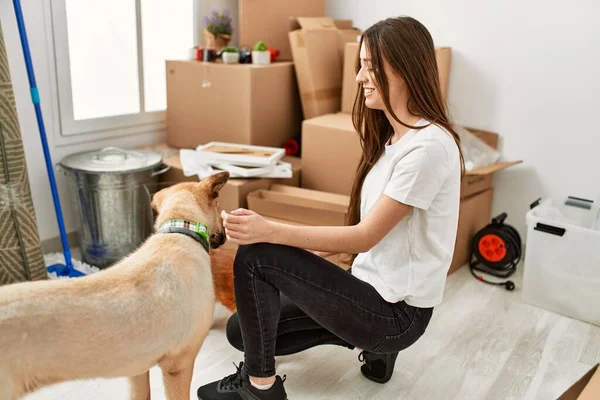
(217,240)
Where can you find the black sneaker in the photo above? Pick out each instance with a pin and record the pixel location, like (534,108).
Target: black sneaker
(377,367)
(237,387)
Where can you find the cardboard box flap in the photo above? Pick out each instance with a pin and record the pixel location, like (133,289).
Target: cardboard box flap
(344,24)
(331,198)
(489,138)
(490,169)
(314,23)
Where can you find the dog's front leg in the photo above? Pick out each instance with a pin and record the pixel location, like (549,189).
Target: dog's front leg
(7,388)
(178,368)
(178,379)
(140,386)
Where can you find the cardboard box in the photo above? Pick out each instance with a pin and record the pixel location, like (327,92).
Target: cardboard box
(349,84)
(309,207)
(443,56)
(349,87)
(244,103)
(318,51)
(330,153)
(234,193)
(328,169)
(474,214)
(269,21)
(586,388)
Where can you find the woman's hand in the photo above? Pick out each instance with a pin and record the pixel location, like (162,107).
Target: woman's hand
(247,227)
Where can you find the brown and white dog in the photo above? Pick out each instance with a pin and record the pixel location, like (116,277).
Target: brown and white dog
(153,307)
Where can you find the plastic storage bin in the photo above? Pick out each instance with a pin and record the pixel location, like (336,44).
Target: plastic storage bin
(562,259)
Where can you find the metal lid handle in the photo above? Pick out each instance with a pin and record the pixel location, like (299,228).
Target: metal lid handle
(108,154)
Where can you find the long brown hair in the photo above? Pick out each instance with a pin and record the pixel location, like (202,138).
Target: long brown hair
(407,46)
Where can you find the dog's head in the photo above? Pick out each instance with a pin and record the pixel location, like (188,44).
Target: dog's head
(196,202)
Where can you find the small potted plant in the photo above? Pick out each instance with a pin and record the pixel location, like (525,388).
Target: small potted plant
(261,54)
(230,55)
(218,29)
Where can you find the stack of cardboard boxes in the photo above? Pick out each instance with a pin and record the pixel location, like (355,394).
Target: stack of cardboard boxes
(310,91)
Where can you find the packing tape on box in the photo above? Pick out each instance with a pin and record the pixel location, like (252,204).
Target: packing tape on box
(322,94)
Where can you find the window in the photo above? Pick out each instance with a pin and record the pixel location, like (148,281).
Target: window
(110,60)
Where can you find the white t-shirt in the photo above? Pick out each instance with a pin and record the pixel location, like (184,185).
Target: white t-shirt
(422,169)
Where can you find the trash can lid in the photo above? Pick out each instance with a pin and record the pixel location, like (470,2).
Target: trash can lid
(112,159)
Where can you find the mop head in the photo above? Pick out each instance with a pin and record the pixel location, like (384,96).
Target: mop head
(59,258)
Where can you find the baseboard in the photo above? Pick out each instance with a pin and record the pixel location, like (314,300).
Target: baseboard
(54,245)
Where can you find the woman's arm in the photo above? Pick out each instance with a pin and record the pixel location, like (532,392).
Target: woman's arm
(323,254)
(246,227)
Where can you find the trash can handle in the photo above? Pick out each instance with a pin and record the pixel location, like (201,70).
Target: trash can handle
(111,150)
(535,203)
(163,168)
(553,230)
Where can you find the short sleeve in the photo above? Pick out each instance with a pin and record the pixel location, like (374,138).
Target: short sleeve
(419,174)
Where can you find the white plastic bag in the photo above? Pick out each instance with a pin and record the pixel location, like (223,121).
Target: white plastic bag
(475,151)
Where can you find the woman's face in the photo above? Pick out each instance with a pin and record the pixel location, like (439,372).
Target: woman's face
(366,76)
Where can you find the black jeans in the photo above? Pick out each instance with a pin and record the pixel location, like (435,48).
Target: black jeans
(289,299)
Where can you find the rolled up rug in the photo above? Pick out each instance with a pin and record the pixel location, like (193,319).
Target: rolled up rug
(21,255)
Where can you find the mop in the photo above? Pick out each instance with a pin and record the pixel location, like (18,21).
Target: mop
(56,268)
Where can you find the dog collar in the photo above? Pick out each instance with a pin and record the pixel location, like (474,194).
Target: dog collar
(194,230)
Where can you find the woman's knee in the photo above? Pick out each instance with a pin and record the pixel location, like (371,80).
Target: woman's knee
(247,255)
(234,332)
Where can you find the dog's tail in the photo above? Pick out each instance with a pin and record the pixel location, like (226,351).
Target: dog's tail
(221,261)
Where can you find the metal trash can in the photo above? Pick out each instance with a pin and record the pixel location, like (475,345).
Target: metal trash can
(110,190)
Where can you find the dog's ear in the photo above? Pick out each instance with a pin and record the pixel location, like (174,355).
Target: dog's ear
(158,198)
(215,183)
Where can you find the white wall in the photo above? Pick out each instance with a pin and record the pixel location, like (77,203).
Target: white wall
(34,11)
(527,70)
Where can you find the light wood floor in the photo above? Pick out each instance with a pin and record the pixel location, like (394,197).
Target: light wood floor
(482,343)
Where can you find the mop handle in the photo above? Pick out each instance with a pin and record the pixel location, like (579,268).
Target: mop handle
(35,97)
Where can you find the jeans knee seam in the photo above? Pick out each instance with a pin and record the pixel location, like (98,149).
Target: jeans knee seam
(294,318)
(331,291)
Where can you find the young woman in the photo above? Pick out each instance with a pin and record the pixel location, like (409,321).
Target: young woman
(401,231)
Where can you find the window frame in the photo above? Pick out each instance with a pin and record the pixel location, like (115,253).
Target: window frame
(68,129)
